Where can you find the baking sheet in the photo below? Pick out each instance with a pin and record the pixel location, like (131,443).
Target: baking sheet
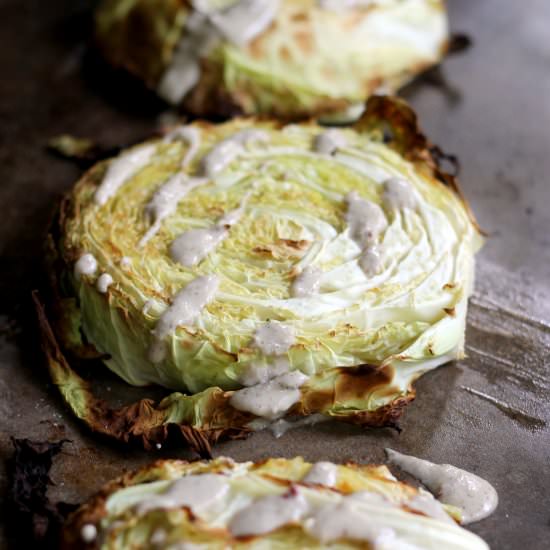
(489,413)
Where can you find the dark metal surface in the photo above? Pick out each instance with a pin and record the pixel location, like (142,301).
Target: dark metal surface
(489,413)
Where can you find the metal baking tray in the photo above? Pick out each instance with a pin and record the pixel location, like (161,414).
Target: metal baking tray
(489,413)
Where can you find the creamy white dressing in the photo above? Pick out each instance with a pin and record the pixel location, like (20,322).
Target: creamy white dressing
(344,520)
(125,262)
(268,513)
(240,23)
(366,220)
(255,373)
(476,497)
(183,73)
(191,135)
(104,282)
(88,533)
(307,282)
(323,473)
(371,261)
(85,265)
(186,307)
(227,150)
(244,20)
(274,338)
(271,399)
(166,199)
(399,194)
(329,141)
(199,492)
(192,246)
(121,169)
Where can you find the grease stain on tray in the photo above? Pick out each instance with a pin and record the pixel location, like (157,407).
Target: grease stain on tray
(526,420)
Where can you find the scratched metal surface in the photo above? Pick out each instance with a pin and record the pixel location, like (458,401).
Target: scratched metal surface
(489,413)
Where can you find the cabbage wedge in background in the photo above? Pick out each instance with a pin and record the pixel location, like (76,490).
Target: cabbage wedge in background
(288,58)
(277,503)
(281,206)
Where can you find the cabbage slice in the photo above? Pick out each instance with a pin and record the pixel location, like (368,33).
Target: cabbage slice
(358,341)
(279,503)
(306,59)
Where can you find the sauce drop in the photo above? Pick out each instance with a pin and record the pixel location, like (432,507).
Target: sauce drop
(122,169)
(85,265)
(307,282)
(272,399)
(186,307)
(274,338)
(399,194)
(476,497)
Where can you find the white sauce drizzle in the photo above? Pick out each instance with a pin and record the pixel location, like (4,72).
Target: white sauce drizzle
(371,261)
(166,200)
(169,195)
(125,262)
(192,246)
(345,520)
(329,141)
(476,497)
(307,282)
(227,150)
(240,23)
(122,169)
(186,307)
(85,265)
(274,338)
(399,194)
(199,492)
(332,521)
(198,38)
(366,219)
(255,374)
(191,135)
(323,473)
(243,21)
(104,282)
(88,533)
(269,513)
(272,399)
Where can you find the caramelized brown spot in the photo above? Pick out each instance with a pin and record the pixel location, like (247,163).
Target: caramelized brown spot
(450,311)
(282,248)
(360,381)
(299,16)
(298,245)
(285,53)
(304,40)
